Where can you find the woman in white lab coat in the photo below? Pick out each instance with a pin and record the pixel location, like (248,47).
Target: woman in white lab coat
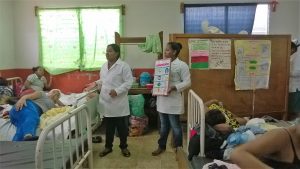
(115,81)
(170,107)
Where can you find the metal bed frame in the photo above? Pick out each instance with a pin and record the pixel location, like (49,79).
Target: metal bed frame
(196,116)
(13,80)
(79,134)
(83,132)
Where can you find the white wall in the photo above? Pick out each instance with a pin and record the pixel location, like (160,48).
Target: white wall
(7,46)
(26,34)
(286,18)
(143,17)
(150,18)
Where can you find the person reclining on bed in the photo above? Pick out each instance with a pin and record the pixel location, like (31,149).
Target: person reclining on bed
(278,148)
(25,114)
(232,120)
(4,88)
(6,93)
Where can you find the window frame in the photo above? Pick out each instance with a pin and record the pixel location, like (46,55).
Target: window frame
(81,59)
(226,5)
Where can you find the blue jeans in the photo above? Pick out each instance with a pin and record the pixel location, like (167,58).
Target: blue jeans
(25,120)
(167,121)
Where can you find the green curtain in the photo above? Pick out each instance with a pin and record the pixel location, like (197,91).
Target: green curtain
(72,39)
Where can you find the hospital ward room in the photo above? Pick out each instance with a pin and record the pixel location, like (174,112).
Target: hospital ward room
(148,84)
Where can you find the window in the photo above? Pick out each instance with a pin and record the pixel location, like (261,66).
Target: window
(261,21)
(228,18)
(72,39)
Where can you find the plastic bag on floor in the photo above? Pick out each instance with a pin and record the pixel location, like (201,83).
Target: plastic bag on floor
(136,105)
(137,125)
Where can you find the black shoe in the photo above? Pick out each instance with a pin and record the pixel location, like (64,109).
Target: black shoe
(158,151)
(125,152)
(105,152)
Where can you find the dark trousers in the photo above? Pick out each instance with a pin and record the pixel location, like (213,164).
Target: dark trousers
(119,123)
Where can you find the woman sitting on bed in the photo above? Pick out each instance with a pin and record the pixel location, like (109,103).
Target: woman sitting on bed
(25,114)
(37,81)
(278,148)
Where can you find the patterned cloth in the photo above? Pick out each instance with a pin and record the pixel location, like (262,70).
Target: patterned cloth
(5,90)
(228,115)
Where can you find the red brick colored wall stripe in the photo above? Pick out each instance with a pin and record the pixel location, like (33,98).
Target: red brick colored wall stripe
(72,82)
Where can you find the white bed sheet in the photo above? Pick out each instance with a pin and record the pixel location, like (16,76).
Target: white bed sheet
(71,99)
(7,130)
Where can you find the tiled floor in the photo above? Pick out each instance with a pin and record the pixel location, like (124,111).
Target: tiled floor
(141,158)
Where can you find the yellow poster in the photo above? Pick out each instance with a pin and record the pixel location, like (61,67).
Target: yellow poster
(253,63)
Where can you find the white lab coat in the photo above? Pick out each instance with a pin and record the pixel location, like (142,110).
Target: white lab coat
(119,78)
(294,82)
(180,78)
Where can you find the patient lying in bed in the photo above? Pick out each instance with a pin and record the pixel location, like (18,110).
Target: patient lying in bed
(5,90)
(223,122)
(25,114)
(279,148)
(232,121)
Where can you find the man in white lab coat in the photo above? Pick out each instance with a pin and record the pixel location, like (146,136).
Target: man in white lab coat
(115,81)
(170,107)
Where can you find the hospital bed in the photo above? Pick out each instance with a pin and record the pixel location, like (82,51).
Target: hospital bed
(196,117)
(14,80)
(7,130)
(64,143)
(70,152)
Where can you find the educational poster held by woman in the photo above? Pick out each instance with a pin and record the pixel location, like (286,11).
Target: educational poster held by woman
(161,77)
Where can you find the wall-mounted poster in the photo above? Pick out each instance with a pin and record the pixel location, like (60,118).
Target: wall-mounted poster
(199,52)
(210,53)
(220,54)
(161,77)
(253,63)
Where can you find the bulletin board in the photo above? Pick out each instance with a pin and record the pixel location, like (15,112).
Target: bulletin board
(219,83)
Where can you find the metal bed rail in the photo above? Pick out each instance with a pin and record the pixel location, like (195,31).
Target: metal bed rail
(80,113)
(196,116)
(14,80)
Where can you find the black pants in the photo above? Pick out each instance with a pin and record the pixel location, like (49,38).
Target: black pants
(119,123)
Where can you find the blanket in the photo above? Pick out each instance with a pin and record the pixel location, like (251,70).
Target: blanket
(52,115)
